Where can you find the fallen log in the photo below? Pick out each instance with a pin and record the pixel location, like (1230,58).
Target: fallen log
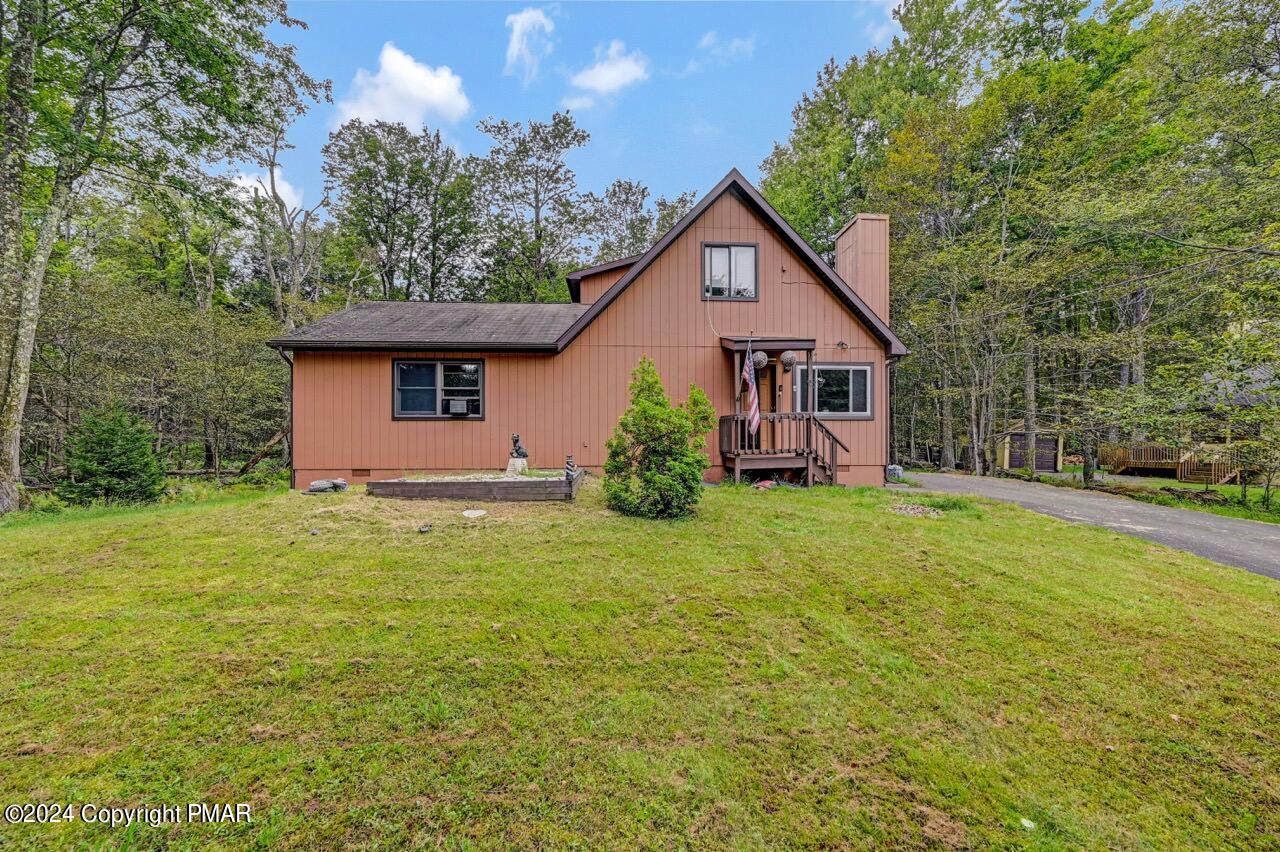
(262,451)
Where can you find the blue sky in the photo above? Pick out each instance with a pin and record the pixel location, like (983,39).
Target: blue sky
(673,94)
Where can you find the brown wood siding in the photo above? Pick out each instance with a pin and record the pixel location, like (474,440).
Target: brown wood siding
(862,260)
(570,402)
(593,286)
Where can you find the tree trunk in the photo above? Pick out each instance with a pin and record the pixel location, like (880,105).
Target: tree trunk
(976,448)
(1139,374)
(948,452)
(1029,393)
(1088,436)
(891,425)
(263,450)
(15,370)
(1113,431)
(18,379)
(911,429)
(208,444)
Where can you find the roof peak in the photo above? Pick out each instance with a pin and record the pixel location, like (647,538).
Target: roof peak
(752,196)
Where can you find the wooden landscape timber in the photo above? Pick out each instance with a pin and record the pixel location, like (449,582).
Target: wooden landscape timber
(525,488)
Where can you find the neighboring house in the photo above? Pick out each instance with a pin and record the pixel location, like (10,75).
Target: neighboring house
(388,388)
(1210,453)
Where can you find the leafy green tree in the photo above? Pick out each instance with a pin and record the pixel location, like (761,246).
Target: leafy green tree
(536,216)
(823,173)
(1082,197)
(624,222)
(152,90)
(656,460)
(412,198)
(112,460)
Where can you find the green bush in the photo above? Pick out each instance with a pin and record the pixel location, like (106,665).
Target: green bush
(268,474)
(656,462)
(40,502)
(110,459)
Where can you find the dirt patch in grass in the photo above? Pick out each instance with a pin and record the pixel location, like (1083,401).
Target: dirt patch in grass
(915,510)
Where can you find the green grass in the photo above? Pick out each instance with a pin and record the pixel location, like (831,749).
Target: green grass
(789,668)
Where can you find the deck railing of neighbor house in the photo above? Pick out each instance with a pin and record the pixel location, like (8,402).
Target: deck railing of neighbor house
(1139,455)
(1216,465)
(1208,464)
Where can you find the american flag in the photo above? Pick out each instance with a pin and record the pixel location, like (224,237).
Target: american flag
(753,395)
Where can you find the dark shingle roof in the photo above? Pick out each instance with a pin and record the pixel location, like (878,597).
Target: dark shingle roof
(1260,386)
(549,327)
(437,325)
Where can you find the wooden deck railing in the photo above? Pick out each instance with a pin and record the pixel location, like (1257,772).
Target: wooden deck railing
(1212,464)
(1216,465)
(825,442)
(786,433)
(1139,455)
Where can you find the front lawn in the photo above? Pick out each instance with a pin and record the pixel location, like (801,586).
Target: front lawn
(788,668)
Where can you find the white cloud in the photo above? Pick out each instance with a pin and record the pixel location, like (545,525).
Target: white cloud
(291,195)
(712,49)
(406,90)
(614,70)
(882,31)
(529,42)
(727,51)
(577,102)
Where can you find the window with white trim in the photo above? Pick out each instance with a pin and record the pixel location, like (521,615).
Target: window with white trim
(843,389)
(449,389)
(729,271)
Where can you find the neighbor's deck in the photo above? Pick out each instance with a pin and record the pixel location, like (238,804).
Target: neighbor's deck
(1216,465)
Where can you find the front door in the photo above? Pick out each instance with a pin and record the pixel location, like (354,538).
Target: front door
(765,384)
(766,387)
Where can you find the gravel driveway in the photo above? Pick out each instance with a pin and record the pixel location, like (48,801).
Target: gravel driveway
(1252,545)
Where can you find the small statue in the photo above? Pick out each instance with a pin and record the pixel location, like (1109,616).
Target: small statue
(517,449)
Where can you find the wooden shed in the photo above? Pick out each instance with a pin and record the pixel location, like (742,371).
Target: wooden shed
(1011,450)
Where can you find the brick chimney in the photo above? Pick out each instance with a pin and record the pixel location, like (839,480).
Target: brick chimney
(862,260)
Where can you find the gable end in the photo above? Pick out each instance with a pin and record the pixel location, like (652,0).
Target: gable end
(736,183)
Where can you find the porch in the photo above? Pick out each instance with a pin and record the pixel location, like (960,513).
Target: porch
(1215,465)
(794,441)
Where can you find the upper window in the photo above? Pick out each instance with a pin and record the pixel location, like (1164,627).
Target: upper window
(438,389)
(728,271)
(843,389)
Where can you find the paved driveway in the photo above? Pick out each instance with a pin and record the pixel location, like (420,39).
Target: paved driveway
(1252,545)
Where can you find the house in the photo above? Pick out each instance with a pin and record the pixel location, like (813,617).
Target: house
(387,388)
(1235,413)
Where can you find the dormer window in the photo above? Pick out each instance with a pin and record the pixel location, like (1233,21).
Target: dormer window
(729,271)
